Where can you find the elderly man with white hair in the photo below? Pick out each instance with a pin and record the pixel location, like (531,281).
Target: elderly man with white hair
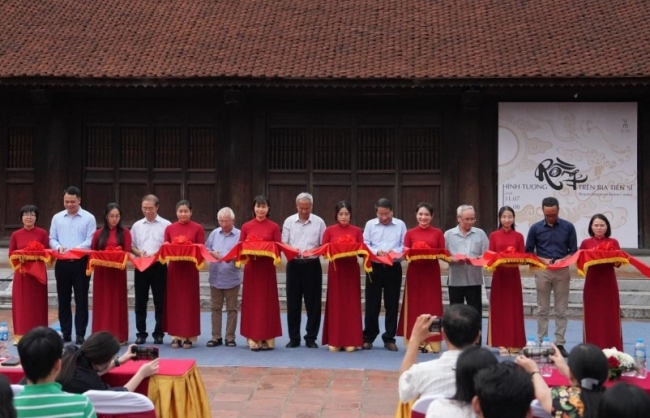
(225,278)
(465,280)
(304,231)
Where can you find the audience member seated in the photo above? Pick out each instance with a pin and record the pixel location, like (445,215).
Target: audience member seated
(503,391)
(6,398)
(624,400)
(461,327)
(470,361)
(587,372)
(40,355)
(83,366)
(109,402)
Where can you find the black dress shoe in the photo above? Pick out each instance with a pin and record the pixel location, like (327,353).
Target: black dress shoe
(158,340)
(562,351)
(311,344)
(390,346)
(293,344)
(367,346)
(140,340)
(79,340)
(67,339)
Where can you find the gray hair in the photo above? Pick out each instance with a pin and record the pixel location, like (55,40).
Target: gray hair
(305,196)
(463,208)
(226,212)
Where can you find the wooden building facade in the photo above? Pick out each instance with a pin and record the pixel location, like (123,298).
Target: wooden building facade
(357,102)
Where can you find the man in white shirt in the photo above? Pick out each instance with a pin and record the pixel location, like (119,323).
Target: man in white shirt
(304,231)
(461,327)
(148,234)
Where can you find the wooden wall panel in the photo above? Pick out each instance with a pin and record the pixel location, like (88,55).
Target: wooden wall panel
(411,196)
(168,195)
(326,198)
(204,205)
(18,195)
(367,196)
(131,195)
(283,201)
(94,199)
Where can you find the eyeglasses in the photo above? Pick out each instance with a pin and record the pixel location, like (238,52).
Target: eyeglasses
(148,209)
(468,220)
(384,214)
(223,221)
(29,215)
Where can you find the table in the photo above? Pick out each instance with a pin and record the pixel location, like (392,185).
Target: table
(556,379)
(177,391)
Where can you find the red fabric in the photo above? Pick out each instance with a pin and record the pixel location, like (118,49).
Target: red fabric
(29,294)
(342,323)
(255,247)
(14,373)
(73,254)
(143,263)
(422,290)
(182,314)
(506,320)
(119,376)
(601,301)
(260,311)
(556,379)
(109,258)
(110,310)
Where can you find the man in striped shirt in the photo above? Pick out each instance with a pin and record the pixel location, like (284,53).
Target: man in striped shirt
(40,353)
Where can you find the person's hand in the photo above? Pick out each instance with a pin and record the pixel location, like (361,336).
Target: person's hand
(546,261)
(129,355)
(62,249)
(149,369)
(527,364)
(143,253)
(381,253)
(216,254)
(558,359)
(420,330)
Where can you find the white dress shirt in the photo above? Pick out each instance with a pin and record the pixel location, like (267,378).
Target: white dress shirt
(430,377)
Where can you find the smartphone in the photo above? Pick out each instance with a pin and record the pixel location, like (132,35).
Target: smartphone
(145,353)
(11,361)
(436,325)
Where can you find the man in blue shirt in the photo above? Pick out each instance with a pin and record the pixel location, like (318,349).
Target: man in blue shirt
(383,235)
(552,239)
(225,278)
(72,228)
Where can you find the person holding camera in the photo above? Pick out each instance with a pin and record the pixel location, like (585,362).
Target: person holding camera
(83,366)
(587,371)
(461,327)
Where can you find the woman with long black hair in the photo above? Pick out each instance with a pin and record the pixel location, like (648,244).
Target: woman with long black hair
(110,312)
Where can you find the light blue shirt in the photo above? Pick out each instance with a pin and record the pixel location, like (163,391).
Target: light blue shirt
(390,237)
(72,231)
(223,275)
(474,244)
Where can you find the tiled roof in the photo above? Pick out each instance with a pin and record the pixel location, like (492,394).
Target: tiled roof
(324,39)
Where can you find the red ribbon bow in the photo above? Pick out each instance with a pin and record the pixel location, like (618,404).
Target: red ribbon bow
(181,240)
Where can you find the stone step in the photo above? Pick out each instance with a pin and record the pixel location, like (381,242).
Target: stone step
(634,295)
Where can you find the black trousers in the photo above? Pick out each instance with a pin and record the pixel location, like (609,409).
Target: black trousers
(386,279)
(304,280)
(71,276)
(155,277)
(471,294)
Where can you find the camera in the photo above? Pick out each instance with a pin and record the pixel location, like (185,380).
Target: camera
(145,353)
(436,325)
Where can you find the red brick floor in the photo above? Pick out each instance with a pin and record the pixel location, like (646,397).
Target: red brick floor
(291,392)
